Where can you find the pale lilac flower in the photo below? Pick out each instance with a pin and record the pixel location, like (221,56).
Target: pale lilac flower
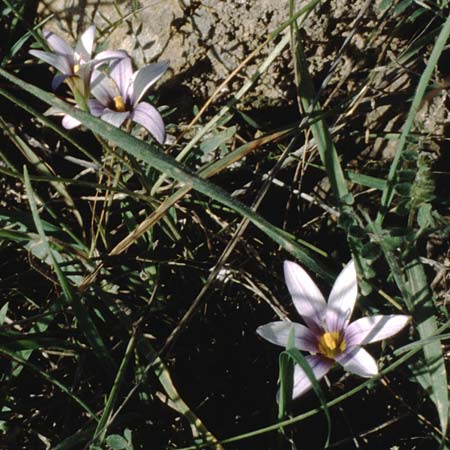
(328,336)
(74,62)
(75,66)
(118,94)
(68,61)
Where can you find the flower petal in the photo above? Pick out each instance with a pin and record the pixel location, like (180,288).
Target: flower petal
(70,122)
(111,54)
(149,117)
(103,88)
(62,62)
(58,80)
(307,298)
(374,328)
(342,299)
(57,44)
(144,78)
(95,107)
(320,367)
(356,360)
(278,333)
(114,118)
(85,44)
(108,57)
(121,71)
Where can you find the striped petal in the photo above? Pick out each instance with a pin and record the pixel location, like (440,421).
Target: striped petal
(121,71)
(108,57)
(85,44)
(95,107)
(144,78)
(307,298)
(149,117)
(356,360)
(103,88)
(114,118)
(61,62)
(374,328)
(342,299)
(278,333)
(57,44)
(320,367)
(58,80)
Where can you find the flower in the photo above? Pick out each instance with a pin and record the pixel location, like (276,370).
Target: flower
(68,61)
(76,66)
(328,336)
(118,94)
(77,62)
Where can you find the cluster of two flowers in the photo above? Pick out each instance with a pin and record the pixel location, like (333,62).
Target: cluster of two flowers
(113,93)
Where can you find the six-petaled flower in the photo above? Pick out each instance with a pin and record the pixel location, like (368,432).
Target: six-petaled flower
(69,61)
(118,95)
(329,336)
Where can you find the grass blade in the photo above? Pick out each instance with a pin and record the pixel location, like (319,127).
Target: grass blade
(432,376)
(322,135)
(102,426)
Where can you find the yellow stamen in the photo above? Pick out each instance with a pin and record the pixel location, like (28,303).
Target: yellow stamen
(119,104)
(331,344)
(76,68)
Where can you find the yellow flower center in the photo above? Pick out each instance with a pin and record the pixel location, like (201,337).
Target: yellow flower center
(331,344)
(119,104)
(76,68)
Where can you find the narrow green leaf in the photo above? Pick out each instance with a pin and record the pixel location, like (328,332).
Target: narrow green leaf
(418,297)
(366,180)
(433,375)
(286,376)
(319,128)
(117,442)
(218,139)
(102,427)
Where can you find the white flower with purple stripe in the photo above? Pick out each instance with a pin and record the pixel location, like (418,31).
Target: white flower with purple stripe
(118,93)
(329,336)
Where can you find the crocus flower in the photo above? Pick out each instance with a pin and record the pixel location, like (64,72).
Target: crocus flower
(68,61)
(118,94)
(328,336)
(74,62)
